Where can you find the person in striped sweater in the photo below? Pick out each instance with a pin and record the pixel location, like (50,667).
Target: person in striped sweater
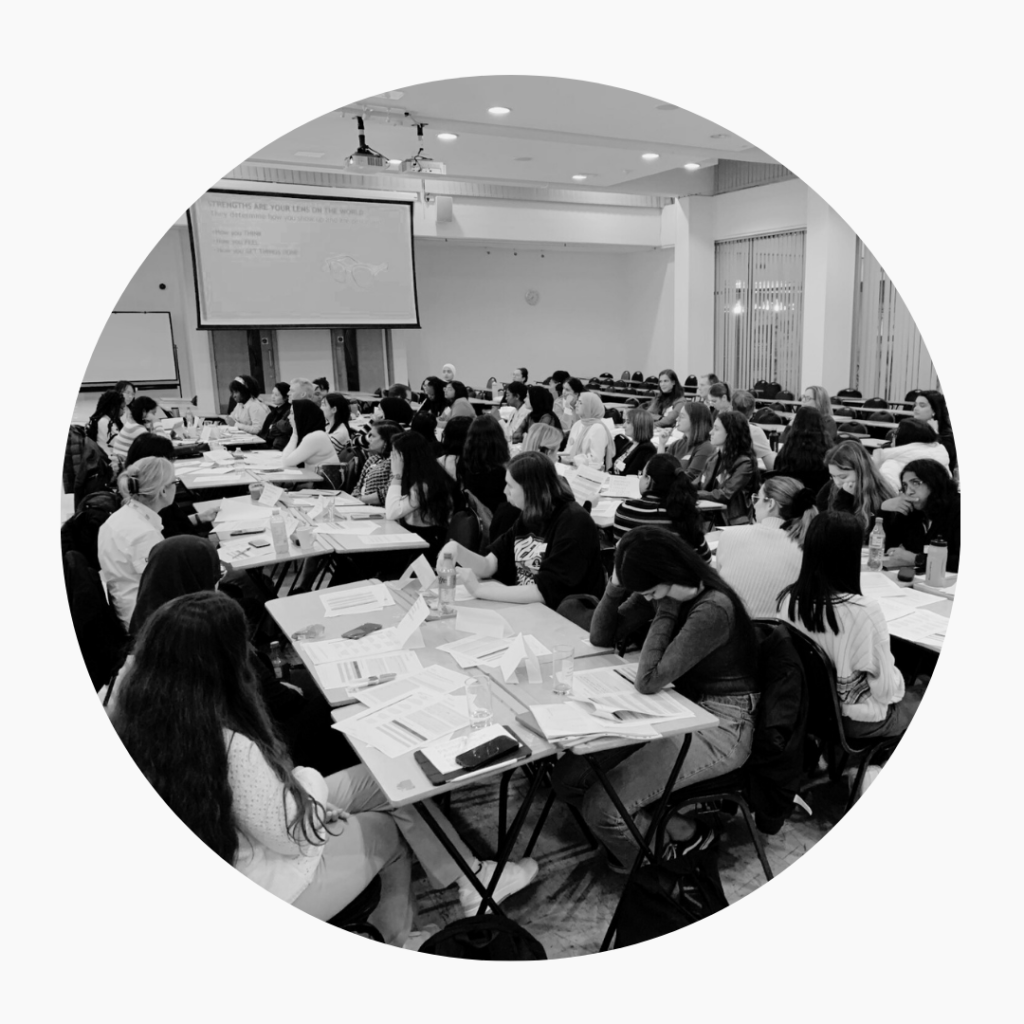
(825,602)
(141,416)
(668,499)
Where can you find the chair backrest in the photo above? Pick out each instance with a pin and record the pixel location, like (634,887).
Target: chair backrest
(81,532)
(625,375)
(73,452)
(882,415)
(852,430)
(333,476)
(101,637)
(912,395)
(765,416)
(638,376)
(783,396)
(772,389)
(876,403)
(465,528)
(94,472)
(849,393)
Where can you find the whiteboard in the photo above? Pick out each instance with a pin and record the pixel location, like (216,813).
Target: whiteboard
(134,346)
(263,260)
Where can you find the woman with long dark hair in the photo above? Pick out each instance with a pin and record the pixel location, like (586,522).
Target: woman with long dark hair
(453,440)
(421,495)
(731,476)
(803,450)
(127,389)
(424,424)
(856,486)
(276,427)
(434,401)
(309,444)
(930,407)
(914,439)
(666,403)
(551,551)
(695,448)
(758,560)
(701,642)
(668,499)
(337,412)
(246,411)
(542,407)
(826,603)
(485,454)
(189,712)
(926,509)
(372,486)
(105,422)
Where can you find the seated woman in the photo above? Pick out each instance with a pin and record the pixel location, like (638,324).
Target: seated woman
(930,407)
(802,454)
(926,509)
(914,440)
(140,418)
(551,551)
(485,454)
(825,602)
(542,437)
(462,408)
(816,397)
(695,448)
(426,426)
(180,517)
(372,486)
(189,712)
(127,537)
(556,385)
(420,495)
(634,456)
(453,391)
(572,391)
(665,405)
(757,561)
(337,412)
(247,413)
(701,642)
(731,476)
(105,422)
(435,403)
(542,408)
(276,427)
(856,486)
(453,440)
(590,440)
(719,398)
(309,445)
(667,499)
(127,390)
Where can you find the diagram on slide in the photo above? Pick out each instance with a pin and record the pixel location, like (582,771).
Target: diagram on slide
(352,273)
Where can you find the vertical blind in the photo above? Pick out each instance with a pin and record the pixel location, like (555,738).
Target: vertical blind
(759,309)
(888,357)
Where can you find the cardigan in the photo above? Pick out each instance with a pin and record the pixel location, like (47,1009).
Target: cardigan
(634,458)
(758,561)
(692,461)
(250,416)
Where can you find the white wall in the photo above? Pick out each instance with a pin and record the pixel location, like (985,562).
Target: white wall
(305,354)
(757,211)
(650,310)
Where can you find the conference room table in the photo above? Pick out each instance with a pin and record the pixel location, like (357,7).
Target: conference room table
(235,476)
(402,779)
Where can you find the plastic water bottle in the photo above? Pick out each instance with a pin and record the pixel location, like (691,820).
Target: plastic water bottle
(282,670)
(935,564)
(876,546)
(278,532)
(446,586)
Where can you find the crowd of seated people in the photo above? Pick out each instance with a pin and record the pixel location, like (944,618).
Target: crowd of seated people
(249,761)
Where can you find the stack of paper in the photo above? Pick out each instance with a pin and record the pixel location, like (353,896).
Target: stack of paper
(357,601)
(571,721)
(877,585)
(420,718)
(921,627)
(621,487)
(380,642)
(608,691)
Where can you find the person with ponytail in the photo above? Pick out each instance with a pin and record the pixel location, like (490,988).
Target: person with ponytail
(930,407)
(856,485)
(127,537)
(695,448)
(757,561)
(826,603)
(700,642)
(732,475)
(667,498)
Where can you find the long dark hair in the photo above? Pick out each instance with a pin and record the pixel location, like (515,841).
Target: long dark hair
(542,487)
(542,403)
(699,416)
(425,424)
(649,555)
(737,439)
(829,573)
(387,430)
(674,492)
(936,478)
(420,470)
(460,389)
(937,400)
(138,407)
(453,440)
(342,410)
(486,447)
(110,404)
(149,444)
(308,418)
(661,401)
(872,487)
(806,444)
(911,431)
(438,403)
(191,680)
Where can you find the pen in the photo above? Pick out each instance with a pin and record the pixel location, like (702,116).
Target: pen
(377,680)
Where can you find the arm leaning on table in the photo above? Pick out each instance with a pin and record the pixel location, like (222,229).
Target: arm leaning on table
(479,583)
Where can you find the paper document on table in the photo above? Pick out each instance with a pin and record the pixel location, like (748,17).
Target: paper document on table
(232,510)
(607,689)
(217,471)
(271,495)
(921,627)
(346,529)
(462,594)
(570,721)
(388,539)
(586,483)
(439,678)
(947,590)
(352,602)
(279,474)
(476,650)
(704,505)
(338,675)
(383,641)
(621,487)
(442,754)
(227,478)
(894,608)
(909,598)
(410,723)
(877,584)
(605,508)
(218,455)
(481,622)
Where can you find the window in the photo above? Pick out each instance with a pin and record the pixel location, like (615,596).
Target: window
(888,355)
(759,306)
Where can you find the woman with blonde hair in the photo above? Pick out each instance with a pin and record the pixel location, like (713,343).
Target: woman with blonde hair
(590,438)
(758,560)
(640,447)
(127,537)
(542,437)
(856,485)
(816,397)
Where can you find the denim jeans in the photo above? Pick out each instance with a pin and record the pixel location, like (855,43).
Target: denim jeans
(638,774)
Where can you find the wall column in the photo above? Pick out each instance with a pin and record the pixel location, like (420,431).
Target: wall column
(694,281)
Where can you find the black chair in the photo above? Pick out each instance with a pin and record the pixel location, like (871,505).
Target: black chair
(783,396)
(911,396)
(465,528)
(852,431)
(848,393)
(637,377)
(333,476)
(772,389)
(876,403)
(354,918)
(766,416)
(825,717)
(101,637)
(881,416)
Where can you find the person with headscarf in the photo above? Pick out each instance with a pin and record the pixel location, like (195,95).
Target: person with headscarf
(447,372)
(590,439)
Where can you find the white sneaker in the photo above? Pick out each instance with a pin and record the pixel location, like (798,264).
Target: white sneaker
(514,877)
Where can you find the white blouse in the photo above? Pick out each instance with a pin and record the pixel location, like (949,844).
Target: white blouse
(124,543)
(315,449)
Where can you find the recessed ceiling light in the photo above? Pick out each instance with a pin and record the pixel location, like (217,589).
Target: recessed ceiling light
(499,111)
(649,156)
(447,136)
(309,154)
(691,167)
(579,177)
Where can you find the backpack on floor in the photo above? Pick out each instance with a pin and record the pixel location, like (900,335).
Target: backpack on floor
(665,898)
(485,938)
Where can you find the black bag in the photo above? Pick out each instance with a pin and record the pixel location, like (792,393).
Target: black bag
(81,531)
(665,898)
(485,938)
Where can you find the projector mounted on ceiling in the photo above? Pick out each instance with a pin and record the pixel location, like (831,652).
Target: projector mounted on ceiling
(364,158)
(420,163)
